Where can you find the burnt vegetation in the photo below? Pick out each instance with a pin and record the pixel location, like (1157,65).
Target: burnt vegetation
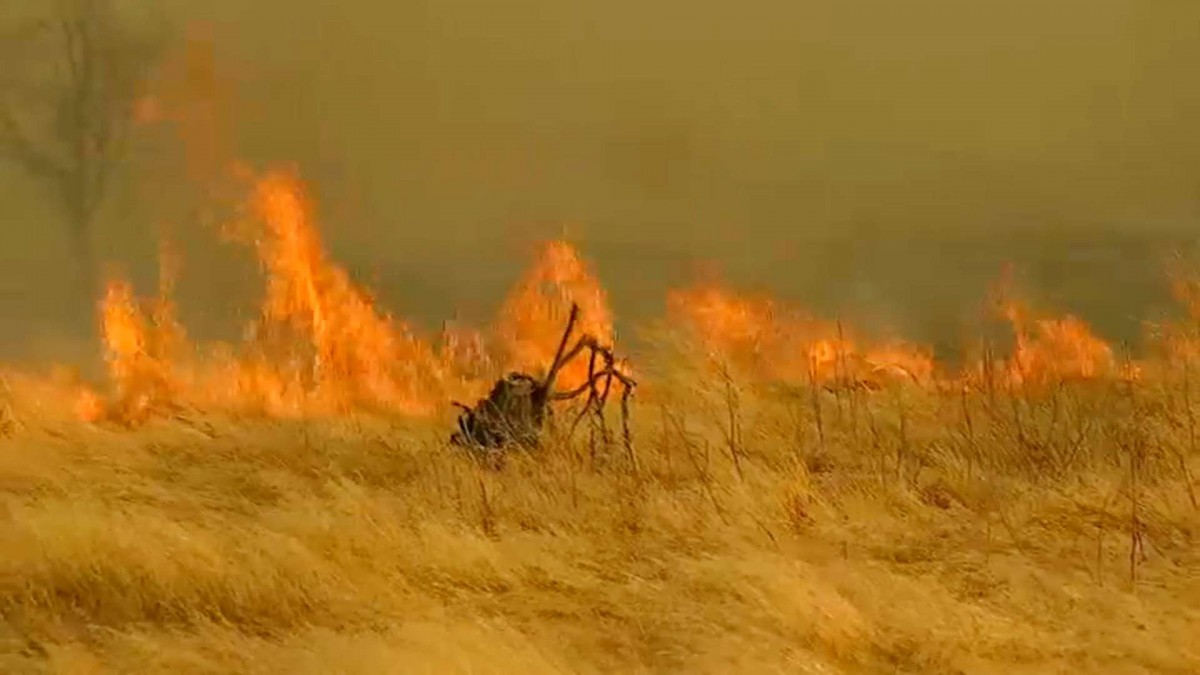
(516,411)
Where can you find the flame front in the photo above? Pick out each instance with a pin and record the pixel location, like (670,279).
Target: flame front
(1054,349)
(769,340)
(320,344)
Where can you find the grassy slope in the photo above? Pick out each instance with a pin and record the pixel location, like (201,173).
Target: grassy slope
(362,546)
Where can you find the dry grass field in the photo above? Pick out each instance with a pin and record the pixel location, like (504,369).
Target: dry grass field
(223,513)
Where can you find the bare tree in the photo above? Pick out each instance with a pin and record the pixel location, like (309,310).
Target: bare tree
(67,109)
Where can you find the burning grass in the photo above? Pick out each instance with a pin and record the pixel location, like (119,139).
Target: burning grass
(799,498)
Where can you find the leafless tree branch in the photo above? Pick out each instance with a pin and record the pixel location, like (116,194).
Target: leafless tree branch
(67,122)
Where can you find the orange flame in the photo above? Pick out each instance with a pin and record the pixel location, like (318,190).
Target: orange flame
(532,319)
(1054,349)
(192,94)
(137,351)
(321,345)
(355,354)
(770,340)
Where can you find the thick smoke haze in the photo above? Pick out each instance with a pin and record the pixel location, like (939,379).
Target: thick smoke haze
(877,158)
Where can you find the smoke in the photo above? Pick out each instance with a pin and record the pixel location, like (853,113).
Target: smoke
(865,157)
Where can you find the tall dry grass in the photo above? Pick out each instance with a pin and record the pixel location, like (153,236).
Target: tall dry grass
(756,528)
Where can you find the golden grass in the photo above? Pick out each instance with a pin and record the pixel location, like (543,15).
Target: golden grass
(908,532)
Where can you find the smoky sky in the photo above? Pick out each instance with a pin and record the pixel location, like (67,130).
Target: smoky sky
(868,157)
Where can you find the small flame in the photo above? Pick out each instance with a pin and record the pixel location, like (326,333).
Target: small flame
(769,340)
(1054,349)
(137,353)
(532,319)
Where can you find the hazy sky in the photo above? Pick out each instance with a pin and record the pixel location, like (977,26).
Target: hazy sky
(832,149)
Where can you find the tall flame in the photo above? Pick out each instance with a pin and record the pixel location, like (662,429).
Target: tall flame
(319,345)
(531,321)
(355,353)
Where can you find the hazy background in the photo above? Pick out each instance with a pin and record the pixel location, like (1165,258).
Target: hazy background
(874,157)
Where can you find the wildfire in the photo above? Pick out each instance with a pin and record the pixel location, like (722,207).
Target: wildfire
(770,340)
(1054,349)
(352,353)
(138,351)
(738,327)
(531,320)
(321,345)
